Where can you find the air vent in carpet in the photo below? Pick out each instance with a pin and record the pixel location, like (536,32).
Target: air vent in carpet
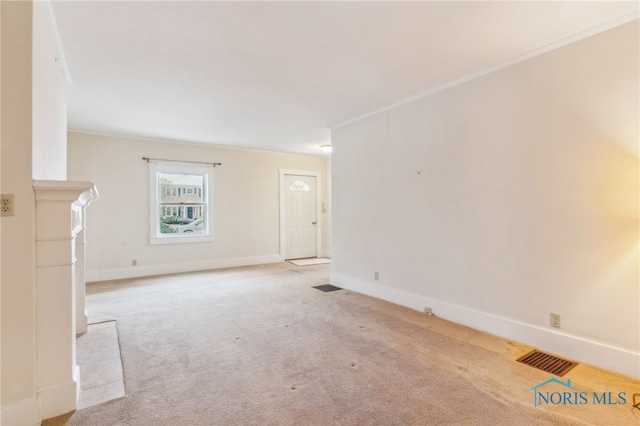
(549,363)
(327,288)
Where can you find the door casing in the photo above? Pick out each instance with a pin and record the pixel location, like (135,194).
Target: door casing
(318,176)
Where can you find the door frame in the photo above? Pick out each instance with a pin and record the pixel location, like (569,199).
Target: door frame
(318,176)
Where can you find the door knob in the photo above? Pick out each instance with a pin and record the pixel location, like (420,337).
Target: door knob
(314,223)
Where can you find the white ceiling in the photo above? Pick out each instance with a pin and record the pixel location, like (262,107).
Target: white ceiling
(278,75)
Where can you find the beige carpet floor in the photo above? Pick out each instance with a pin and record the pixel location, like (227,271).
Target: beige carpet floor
(260,346)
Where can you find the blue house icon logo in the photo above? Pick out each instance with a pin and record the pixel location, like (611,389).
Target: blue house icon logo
(546,397)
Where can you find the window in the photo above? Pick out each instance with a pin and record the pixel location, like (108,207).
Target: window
(299,186)
(180,202)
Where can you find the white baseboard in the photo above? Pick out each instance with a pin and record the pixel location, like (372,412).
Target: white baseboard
(21,414)
(601,355)
(174,268)
(52,401)
(60,398)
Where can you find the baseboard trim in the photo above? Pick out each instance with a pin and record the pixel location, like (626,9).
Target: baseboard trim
(174,268)
(52,401)
(21,414)
(60,398)
(577,348)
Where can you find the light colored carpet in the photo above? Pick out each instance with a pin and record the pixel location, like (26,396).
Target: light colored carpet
(260,346)
(309,262)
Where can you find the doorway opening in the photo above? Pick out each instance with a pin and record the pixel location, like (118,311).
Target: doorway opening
(300,225)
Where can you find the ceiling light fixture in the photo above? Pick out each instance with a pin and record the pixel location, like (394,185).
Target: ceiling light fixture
(326,148)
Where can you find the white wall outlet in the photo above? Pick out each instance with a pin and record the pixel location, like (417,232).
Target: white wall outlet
(556,320)
(6,204)
(428,310)
(134,262)
(375,276)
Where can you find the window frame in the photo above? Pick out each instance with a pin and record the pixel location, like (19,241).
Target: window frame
(156,168)
(303,188)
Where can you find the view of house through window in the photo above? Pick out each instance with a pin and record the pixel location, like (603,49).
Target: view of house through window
(181,203)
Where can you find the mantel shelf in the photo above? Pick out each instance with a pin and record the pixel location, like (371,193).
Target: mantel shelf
(80,192)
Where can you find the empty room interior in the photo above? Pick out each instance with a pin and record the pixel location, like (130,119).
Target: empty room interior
(319,213)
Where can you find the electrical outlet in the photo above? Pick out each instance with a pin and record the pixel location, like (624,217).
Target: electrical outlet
(556,320)
(428,310)
(375,276)
(6,204)
(134,262)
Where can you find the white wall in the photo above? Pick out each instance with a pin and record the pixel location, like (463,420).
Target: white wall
(18,233)
(506,198)
(33,146)
(49,102)
(245,194)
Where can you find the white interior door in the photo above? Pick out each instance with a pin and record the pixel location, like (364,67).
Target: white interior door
(300,216)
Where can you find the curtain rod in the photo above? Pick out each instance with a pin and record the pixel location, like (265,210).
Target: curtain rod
(147,159)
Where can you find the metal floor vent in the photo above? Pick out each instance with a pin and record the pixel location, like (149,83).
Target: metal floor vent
(549,363)
(327,288)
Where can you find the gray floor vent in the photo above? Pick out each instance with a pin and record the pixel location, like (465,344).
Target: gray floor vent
(327,288)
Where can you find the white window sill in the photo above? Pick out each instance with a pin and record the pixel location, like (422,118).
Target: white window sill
(181,239)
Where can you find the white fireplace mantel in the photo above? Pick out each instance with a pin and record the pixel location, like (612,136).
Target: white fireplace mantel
(65,190)
(60,287)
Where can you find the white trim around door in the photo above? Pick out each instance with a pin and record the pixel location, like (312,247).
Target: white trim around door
(318,176)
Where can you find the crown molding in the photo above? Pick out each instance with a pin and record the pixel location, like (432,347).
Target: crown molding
(62,61)
(520,58)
